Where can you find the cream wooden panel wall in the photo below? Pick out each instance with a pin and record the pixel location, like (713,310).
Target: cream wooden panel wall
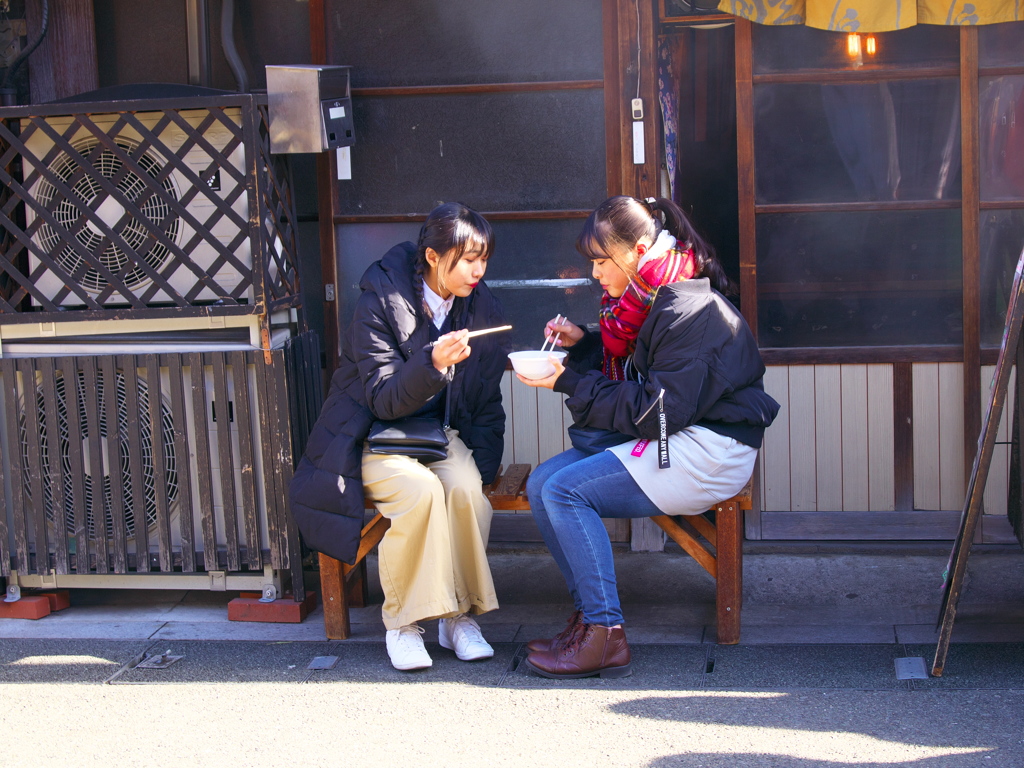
(938,436)
(999,472)
(535,422)
(831,448)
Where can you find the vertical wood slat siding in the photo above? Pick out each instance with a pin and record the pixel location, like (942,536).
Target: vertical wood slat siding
(108,373)
(276,522)
(952,488)
(19,506)
(49,512)
(127,364)
(854,440)
(803,452)
(54,472)
(775,456)
(204,468)
(91,405)
(831,447)
(183,461)
(881,439)
(938,436)
(828,437)
(246,460)
(5,554)
(34,468)
(995,497)
(222,423)
(282,471)
(75,398)
(159,461)
(525,429)
(8,507)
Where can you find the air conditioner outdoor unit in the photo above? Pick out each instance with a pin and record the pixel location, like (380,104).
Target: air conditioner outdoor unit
(99,477)
(86,183)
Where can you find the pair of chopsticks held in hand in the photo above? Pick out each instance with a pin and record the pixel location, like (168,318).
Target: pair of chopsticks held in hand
(482,331)
(553,339)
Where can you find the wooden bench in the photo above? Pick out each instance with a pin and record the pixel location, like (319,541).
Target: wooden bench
(715,544)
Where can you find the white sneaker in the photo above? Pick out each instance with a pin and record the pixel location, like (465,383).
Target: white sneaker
(405,647)
(462,635)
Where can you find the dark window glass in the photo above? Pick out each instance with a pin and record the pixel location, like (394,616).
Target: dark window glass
(798,47)
(1002,239)
(496,151)
(1001,45)
(466,41)
(892,140)
(1001,134)
(859,279)
(535,271)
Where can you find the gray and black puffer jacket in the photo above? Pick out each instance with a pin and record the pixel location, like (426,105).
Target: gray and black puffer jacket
(386,373)
(696,349)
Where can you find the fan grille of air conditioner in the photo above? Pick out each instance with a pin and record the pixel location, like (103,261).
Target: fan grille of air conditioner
(95,470)
(88,193)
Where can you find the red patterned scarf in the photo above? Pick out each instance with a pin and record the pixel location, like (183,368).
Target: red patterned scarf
(621,318)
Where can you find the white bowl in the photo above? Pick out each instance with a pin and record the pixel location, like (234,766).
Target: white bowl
(534,364)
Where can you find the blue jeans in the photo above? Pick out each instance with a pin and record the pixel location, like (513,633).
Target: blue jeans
(569,494)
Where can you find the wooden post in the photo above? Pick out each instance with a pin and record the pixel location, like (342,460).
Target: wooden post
(729,588)
(332,590)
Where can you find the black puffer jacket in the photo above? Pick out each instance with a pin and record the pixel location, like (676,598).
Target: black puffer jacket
(695,346)
(386,373)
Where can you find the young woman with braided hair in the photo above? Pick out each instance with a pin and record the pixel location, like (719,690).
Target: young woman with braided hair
(676,373)
(407,354)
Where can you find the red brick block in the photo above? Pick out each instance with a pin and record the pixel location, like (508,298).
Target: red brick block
(59,600)
(284,610)
(34,607)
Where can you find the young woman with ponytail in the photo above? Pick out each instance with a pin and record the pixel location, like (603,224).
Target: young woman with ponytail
(676,372)
(407,354)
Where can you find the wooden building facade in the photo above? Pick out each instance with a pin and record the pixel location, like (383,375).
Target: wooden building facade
(869,202)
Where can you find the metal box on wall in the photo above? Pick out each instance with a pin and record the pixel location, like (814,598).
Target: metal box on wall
(310,108)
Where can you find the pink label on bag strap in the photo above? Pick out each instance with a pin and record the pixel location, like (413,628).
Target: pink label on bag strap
(638,449)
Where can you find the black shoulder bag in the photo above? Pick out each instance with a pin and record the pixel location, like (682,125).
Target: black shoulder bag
(419,437)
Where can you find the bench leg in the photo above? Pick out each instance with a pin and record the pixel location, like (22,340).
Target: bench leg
(729,594)
(358,587)
(335,598)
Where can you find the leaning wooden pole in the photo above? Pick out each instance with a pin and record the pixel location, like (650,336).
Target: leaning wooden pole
(979,474)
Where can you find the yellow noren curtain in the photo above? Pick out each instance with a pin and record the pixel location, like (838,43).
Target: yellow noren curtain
(874,15)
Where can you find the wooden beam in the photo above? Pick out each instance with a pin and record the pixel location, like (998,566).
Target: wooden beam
(612,102)
(970,218)
(325,203)
(903,435)
(745,173)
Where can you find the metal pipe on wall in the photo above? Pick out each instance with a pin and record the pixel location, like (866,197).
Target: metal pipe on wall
(227,39)
(197,16)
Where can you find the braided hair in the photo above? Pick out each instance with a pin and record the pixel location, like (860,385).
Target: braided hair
(621,221)
(450,229)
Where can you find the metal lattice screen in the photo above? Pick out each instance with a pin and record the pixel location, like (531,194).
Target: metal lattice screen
(157,208)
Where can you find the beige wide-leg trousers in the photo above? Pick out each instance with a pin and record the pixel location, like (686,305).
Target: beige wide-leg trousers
(433,561)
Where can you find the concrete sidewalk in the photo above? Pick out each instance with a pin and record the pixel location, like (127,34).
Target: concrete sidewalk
(667,598)
(813,682)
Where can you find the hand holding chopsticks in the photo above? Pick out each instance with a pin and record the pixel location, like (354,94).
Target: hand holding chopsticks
(552,338)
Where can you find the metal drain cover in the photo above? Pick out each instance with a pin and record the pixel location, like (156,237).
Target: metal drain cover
(323,662)
(158,661)
(911,668)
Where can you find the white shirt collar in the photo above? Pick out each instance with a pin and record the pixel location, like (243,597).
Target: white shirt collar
(439,307)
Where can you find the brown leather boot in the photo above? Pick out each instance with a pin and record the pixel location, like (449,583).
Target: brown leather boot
(593,650)
(547,644)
